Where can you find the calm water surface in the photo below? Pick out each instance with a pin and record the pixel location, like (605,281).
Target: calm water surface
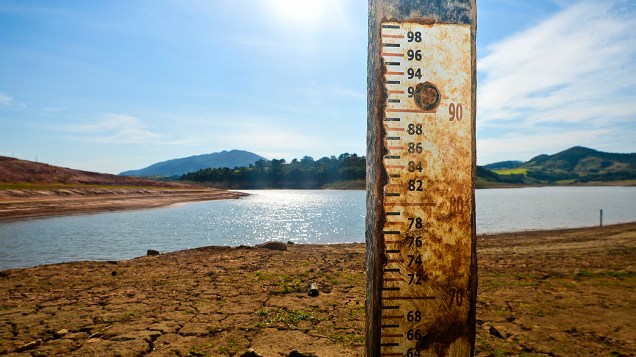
(301,216)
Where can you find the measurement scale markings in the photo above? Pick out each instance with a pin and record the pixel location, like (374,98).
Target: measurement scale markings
(392,128)
(393,354)
(392,36)
(392,54)
(393,298)
(393,73)
(390,344)
(409,204)
(395,147)
(394,166)
(396,91)
(393,138)
(389,326)
(393,279)
(389,26)
(391,232)
(390,307)
(400,110)
(393,63)
(393,317)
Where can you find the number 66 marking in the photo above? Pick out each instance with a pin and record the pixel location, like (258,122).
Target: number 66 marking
(456,111)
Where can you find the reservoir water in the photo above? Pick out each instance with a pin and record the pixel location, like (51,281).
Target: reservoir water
(300,216)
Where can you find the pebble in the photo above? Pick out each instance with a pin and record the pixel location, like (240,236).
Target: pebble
(250,353)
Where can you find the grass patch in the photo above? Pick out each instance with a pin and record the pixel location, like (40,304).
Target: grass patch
(344,277)
(287,285)
(517,171)
(525,276)
(587,274)
(199,350)
(499,353)
(282,317)
(350,338)
(231,349)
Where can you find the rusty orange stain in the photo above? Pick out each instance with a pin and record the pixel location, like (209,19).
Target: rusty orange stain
(433,232)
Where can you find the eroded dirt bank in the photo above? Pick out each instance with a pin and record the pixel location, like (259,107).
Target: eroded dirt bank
(20,204)
(557,293)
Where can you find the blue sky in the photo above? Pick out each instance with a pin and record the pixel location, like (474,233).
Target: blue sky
(116,85)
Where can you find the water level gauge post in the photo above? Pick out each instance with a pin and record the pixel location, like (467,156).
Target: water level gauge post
(420,225)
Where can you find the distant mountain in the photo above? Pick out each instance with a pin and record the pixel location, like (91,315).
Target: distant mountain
(584,161)
(574,165)
(582,165)
(178,167)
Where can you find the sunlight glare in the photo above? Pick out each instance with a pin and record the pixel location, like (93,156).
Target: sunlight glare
(300,12)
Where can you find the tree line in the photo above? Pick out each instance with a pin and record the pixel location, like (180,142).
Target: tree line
(277,173)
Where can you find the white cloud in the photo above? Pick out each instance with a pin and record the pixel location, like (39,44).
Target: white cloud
(115,129)
(8,101)
(570,80)
(524,147)
(578,66)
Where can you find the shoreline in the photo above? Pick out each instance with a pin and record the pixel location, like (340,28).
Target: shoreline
(28,204)
(555,292)
(512,235)
(63,200)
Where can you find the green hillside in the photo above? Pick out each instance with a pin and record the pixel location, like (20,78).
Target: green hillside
(577,165)
(504,165)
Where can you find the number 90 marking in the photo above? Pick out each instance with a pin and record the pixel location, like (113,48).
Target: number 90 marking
(456,111)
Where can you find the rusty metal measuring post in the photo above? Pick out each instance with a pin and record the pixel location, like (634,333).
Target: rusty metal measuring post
(420,228)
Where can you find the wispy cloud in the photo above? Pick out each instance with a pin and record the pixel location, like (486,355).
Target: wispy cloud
(569,79)
(523,146)
(8,101)
(53,109)
(577,66)
(115,129)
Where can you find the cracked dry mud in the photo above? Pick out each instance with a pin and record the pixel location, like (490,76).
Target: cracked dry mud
(560,293)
